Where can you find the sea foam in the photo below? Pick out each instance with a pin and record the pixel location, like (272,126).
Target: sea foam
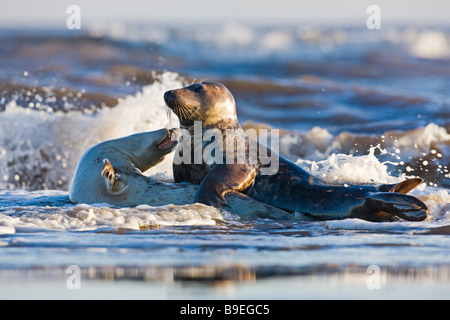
(24,211)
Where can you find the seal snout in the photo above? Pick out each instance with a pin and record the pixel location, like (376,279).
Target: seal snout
(169,97)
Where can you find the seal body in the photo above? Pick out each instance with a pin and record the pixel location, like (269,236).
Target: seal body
(111,172)
(290,187)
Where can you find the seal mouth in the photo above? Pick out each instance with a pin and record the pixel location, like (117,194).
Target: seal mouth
(170,141)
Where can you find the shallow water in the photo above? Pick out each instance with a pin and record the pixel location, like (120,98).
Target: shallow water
(354,107)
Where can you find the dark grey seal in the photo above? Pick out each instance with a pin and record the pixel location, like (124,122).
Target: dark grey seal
(289,188)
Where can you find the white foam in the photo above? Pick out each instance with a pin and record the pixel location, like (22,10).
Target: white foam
(316,144)
(19,214)
(349,157)
(319,144)
(420,139)
(6,228)
(357,224)
(343,168)
(437,201)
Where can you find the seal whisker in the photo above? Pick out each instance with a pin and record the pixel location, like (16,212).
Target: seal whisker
(190,113)
(186,112)
(183,112)
(177,110)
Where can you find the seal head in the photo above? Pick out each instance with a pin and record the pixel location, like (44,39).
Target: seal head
(209,102)
(131,156)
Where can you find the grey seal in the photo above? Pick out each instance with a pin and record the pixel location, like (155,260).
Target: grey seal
(289,188)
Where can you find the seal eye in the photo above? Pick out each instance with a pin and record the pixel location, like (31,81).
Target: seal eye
(199,89)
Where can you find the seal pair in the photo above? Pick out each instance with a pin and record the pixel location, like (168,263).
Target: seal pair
(112,172)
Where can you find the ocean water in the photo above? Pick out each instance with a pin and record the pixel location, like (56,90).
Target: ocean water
(352,105)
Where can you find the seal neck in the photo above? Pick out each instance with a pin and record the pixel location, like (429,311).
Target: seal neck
(221,125)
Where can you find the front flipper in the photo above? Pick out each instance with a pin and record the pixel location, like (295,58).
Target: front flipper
(221,179)
(383,206)
(112,177)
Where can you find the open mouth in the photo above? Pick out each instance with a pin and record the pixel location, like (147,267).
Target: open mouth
(170,141)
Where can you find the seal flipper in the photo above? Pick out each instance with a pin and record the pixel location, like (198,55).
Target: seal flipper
(222,179)
(112,177)
(395,204)
(402,187)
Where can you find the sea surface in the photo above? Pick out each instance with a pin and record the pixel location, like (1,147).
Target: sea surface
(353,106)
